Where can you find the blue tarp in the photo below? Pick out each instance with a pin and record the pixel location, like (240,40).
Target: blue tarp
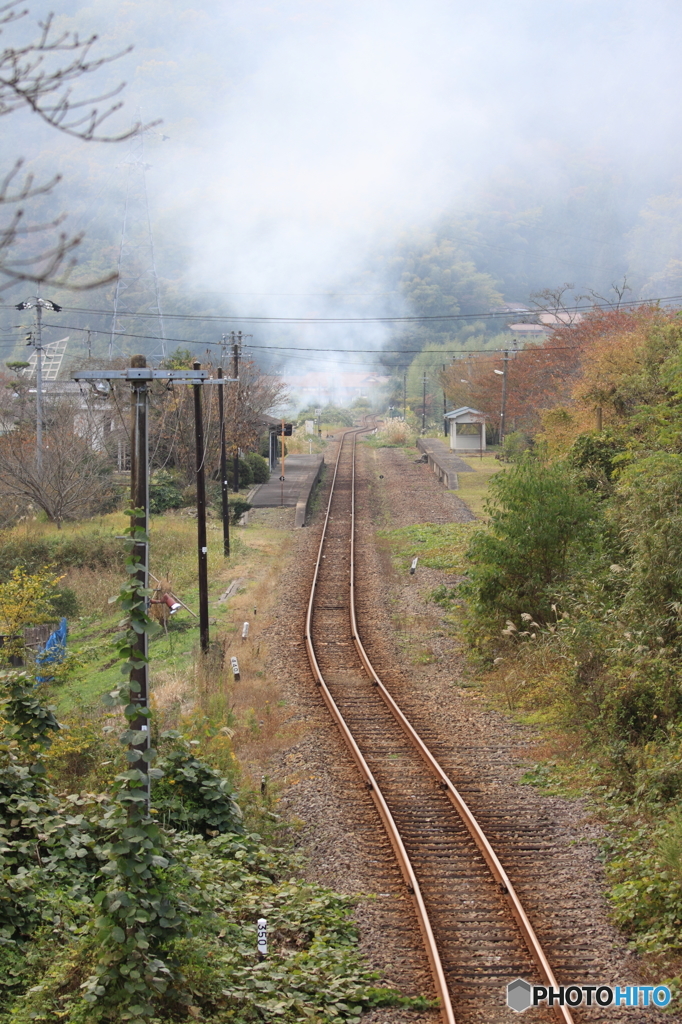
(54,650)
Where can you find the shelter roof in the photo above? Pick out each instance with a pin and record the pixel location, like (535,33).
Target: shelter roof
(456,413)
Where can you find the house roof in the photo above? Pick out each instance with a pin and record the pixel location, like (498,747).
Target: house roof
(456,413)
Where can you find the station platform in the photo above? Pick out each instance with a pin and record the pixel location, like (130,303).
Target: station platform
(443,461)
(301,475)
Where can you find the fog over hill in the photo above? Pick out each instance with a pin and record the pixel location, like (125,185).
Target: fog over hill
(338,159)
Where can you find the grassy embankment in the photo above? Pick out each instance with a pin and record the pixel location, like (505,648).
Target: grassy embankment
(90,558)
(313,970)
(631,787)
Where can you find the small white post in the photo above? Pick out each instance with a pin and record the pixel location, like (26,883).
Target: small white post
(413,566)
(245,631)
(235,667)
(262,937)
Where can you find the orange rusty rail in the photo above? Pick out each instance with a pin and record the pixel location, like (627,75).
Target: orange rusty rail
(409,877)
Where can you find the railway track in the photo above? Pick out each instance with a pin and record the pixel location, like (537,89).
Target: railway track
(476,934)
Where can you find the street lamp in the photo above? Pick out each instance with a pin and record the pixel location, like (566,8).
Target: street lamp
(37,341)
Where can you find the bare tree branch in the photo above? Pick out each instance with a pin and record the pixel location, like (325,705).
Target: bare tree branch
(41,76)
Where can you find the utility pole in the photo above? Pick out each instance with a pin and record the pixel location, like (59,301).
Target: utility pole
(37,341)
(235,374)
(202,547)
(405,395)
(139,375)
(282,467)
(445,406)
(423,403)
(139,498)
(504,395)
(38,345)
(225,503)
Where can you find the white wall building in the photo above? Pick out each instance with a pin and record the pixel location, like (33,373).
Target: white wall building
(466,428)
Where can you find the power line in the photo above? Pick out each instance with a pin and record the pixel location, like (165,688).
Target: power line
(345,351)
(490,314)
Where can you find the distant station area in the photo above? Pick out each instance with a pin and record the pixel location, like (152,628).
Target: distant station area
(301,475)
(444,463)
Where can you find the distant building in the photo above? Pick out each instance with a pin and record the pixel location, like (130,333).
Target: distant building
(466,429)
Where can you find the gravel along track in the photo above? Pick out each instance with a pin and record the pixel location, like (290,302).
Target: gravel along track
(544,843)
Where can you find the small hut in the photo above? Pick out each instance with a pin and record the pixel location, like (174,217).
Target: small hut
(466,428)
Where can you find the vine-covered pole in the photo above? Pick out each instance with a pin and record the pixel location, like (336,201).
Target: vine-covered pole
(139,495)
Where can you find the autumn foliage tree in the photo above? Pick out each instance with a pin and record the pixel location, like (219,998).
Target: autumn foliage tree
(172,441)
(578,367)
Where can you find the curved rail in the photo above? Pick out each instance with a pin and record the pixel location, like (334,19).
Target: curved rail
(495,867)
(404,863)
(472,826)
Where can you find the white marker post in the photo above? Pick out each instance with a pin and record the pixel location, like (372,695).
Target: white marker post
(245,631)
(413,566)
(262,937)
(235,667)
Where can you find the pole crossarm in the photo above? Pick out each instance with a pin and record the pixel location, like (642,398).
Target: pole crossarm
(134,373)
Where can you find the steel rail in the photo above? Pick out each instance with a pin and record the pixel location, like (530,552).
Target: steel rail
(476,832)
(406,869)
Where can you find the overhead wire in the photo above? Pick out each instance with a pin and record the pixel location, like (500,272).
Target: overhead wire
(425,318)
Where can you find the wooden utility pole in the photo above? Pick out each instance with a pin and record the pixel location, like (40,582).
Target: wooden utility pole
(235,374)
(445,407)
(598,419)
(504,395)
(424,404)
(224,494)
(139,498)
(202,547)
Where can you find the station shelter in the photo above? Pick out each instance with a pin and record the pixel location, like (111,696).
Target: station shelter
(466,429)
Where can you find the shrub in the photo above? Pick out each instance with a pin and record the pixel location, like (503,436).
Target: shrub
(164,492)
(238,508)
(193,797)
(65,603)
(514,445)
(245,473)
(649,515)
(91,550)
(260,469)
(542,524)
(596,456)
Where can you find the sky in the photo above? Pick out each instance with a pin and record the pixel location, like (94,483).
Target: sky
(306,137)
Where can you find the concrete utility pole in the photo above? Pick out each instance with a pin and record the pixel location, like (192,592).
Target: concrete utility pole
(224,495)
(37,341)
(405,395)
(202,546)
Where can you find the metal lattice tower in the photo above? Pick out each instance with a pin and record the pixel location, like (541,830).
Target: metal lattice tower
(137,287)
(53,354)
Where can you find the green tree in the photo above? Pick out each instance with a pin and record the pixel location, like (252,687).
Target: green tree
(542,527)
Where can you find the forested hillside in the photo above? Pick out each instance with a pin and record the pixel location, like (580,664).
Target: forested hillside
(574,597)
